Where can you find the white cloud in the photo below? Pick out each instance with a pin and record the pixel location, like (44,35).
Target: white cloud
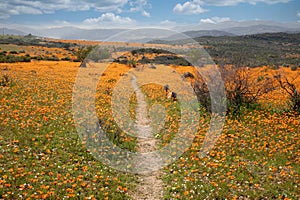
(167,23)
(298,14)
(110,19)
(215,20)
(207,21)
(62,23)
(17,7)
(146,14)
(27,10)
(140,6)
(197,6)
(189,7)
(235,2)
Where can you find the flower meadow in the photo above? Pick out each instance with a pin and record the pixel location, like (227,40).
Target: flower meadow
(41,154)
(42,157)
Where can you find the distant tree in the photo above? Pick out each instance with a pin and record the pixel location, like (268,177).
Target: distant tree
(99,53)
(294,68)
(131,63)
(82,53)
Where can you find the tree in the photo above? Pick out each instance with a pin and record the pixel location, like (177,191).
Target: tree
(99,54)
(132,63)
(82,54)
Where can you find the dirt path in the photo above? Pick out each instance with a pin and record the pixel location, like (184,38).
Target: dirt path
(150,185)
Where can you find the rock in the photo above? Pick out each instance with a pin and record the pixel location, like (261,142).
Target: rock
(188,75)
(152,67)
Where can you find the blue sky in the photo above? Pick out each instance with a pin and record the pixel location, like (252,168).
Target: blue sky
(125,13)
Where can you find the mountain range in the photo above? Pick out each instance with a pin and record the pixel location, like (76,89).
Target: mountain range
(230,28)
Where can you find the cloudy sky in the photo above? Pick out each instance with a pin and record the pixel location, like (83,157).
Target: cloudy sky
(125,13)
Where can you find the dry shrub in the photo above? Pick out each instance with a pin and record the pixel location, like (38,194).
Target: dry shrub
(290,87)
(243,87)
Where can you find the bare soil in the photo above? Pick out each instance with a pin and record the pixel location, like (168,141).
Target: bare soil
(150,185)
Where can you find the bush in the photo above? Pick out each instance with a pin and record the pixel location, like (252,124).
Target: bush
(99,54)
(14,59)
(83,52)
(188,75)
(131,63)
(13,52)
(242,88)
(286,65)
(25,59)
(202,92)
(290,88)
(294,68)
(5,81)
(66,58)
(52,58)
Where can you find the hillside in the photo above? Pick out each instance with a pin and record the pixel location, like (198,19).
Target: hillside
(250,50)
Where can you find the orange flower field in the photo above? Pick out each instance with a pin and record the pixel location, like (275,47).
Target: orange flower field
(42,157)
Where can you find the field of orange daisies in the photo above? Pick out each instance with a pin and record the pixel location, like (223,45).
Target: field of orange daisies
(42,157)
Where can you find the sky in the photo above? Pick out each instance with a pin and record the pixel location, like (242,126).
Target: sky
(137,13)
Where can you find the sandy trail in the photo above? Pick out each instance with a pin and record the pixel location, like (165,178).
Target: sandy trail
(150,185)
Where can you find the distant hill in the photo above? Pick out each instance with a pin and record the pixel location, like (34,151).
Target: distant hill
(214,33)
(254,24)
(7,31)
(272,49)
(73,33)
(143,35)
(257,29)
(190,34)
(250,50)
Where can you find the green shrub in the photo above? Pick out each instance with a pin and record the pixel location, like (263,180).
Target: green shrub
(13,59)
(67,58)
(13,52)
(294,68)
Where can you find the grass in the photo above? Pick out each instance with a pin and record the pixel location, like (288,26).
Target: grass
(252,159)
(37,52)
(156,96)
(41,156)
(11,47)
